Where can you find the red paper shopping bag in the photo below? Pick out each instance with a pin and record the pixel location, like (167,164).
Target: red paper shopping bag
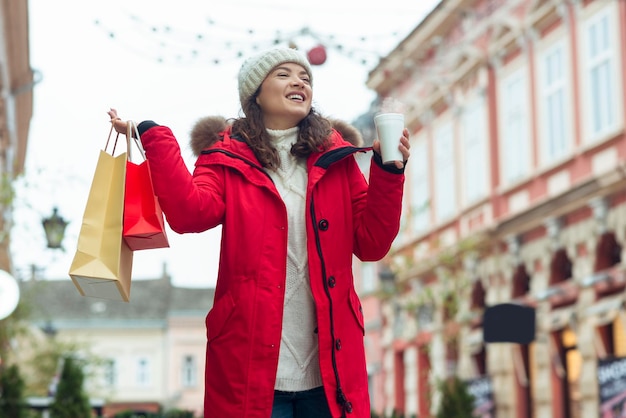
(144,227)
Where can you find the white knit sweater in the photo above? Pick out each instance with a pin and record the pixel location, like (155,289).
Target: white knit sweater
(298,364)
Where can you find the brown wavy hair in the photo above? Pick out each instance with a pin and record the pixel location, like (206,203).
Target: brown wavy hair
(313,135)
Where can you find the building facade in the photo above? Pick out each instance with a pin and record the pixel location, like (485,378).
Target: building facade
(150,351)
(17,80)
(515,194)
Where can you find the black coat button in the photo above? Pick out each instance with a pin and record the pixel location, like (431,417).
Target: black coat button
(338,344)
(323,225)
(332,281)
(349,407)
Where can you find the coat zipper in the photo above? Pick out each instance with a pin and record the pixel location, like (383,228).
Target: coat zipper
(341,397)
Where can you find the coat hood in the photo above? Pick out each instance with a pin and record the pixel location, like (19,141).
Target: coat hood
(207,131)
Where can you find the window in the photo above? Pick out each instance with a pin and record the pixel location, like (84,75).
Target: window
(425,315)
(419,194)
(608,252)
(189,371)
(368,277)
(452,357)
(445,190)
(568,361)
(599,54)
(474,121)
(560,267)
(514,124)
(143,372)
(521,281)
(478,296)
(423,383)
(110,372)
(400,371)
(555,142)
(410,381)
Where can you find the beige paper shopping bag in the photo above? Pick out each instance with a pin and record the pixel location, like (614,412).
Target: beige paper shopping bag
(144,226)
(102,265)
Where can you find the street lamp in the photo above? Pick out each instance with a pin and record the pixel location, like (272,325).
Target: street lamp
(54,226)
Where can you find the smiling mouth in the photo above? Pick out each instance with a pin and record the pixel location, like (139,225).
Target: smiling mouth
(296,97)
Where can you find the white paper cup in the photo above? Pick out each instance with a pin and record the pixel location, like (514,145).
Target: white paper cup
(389,127)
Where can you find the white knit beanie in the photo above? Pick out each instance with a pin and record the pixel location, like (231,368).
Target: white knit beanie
(254,70)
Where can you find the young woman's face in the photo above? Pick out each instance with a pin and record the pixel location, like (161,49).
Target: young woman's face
(285,96)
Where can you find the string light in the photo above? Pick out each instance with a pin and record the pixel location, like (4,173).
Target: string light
(218,43)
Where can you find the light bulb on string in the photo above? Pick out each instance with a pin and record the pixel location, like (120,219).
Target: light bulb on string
(170,40)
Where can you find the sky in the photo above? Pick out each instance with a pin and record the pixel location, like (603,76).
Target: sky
(174,63)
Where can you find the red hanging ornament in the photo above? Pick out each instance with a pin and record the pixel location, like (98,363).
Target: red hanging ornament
(317,55)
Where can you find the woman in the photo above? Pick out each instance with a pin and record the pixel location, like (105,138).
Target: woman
(285,333)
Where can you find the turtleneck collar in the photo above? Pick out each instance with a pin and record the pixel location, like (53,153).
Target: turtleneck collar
(284,137)
(281,133)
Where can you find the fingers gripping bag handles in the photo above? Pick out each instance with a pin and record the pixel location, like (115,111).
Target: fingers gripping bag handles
(102,264)
(144,227)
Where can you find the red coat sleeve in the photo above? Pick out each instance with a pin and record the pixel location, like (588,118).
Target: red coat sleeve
(190,202)
(377,210)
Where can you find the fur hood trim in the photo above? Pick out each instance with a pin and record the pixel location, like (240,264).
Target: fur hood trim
(208,130)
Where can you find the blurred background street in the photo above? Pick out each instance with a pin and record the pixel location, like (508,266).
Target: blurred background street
(504,293)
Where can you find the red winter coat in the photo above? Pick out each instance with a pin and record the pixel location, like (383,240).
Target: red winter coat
(344,217)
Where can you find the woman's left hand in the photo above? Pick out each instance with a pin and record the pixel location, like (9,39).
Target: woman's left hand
(404,148)
(117,122)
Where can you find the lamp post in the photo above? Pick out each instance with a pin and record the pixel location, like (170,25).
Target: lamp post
(54,226)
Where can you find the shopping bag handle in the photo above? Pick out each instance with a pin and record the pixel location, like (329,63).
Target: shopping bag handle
(132,134)
(106,146)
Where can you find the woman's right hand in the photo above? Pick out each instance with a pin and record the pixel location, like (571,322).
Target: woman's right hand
(118,124)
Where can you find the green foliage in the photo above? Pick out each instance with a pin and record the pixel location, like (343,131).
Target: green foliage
(456,401)
(70,400)
(394,414)
(178,413)
(7,189)
(45,361)
(12,393)
(13,326)
(134,414)
(172,413)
